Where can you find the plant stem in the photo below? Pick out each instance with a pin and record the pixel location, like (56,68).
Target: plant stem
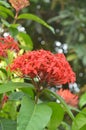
(16,16)
(37,97)
(37,90)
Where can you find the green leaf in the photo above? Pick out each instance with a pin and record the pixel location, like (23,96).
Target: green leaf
(29,92)
(25,41)
(37,19)
(82,100)
(66,107)
(3,15)
(5,23)
(16,95)
(83,128)
(6,124)
(9,110)
(20,94)
(7,11)
(14,25)
(3,76)
(10,86)
(4,71)
(33,116)
(13,31)
(4,3)
(57,115)
(79,121)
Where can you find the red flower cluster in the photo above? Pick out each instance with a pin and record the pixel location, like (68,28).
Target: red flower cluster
(47,67)
(70,98)
(7,43)
(19,4)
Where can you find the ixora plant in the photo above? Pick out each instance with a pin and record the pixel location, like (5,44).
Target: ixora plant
(27,77)
(43,69)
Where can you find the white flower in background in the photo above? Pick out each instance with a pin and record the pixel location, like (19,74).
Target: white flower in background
(21,29)
(74,87)
(58,43)
(6,34)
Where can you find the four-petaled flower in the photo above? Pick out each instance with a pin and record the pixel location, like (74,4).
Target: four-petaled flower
(49,68)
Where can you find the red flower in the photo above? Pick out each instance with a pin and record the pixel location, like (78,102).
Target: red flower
(19,4)
(4,100)
(7,43)
(49,68)
(2,52)
(70,98)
